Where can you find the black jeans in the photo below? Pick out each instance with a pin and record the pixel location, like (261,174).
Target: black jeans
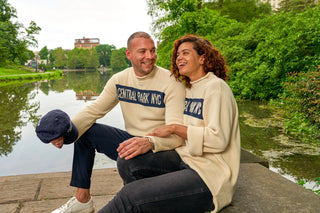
(101,138)
(159,183)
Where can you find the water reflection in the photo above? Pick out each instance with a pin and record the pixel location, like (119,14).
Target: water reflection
(21,106)
(21,152)
(16,110)
(262,134)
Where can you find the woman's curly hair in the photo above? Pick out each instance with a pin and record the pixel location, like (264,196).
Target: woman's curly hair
(213,60)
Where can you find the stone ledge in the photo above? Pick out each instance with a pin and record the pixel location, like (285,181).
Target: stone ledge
(258,190)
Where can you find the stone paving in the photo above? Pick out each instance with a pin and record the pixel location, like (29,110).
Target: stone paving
(258,190)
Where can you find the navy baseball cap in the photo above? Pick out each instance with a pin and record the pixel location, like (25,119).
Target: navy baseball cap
(55,124)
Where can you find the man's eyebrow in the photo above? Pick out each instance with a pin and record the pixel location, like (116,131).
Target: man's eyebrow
(146,49)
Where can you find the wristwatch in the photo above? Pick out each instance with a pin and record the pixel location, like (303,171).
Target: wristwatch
(152,144)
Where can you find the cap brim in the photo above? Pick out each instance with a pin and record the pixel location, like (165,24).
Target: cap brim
(71,136)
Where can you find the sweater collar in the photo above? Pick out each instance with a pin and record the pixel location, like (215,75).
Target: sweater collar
(150,75)
(208,75)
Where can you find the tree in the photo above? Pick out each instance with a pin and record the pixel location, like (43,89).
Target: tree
(244,10)
(104,52)
(60,58)
(76,60)
(92,59)
(43,53)
(296,6)
(14,37)
(203,22)
(83,58)
(166,13)
(261,56)
(118,60)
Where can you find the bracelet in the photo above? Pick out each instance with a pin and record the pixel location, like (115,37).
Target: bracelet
(152,144)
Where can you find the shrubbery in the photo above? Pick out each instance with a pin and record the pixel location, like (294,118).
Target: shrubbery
(260,54)
(300,103)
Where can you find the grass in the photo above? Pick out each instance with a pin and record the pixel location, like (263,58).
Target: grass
(11,75)
(14,70)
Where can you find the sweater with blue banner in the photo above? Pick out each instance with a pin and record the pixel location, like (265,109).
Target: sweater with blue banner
(146,102)
(212,147)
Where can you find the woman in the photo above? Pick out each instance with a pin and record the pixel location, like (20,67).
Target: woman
(201,174)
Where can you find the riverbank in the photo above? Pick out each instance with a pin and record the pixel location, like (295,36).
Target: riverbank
(258,190)
(13,75)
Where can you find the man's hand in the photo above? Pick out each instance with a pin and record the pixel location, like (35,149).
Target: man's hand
(133,147)
(58,142)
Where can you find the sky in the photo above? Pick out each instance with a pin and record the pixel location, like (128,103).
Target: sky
(63,21)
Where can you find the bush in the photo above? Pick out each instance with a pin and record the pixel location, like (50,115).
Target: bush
(301,102)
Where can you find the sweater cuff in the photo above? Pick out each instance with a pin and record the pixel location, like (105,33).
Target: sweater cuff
(195,140)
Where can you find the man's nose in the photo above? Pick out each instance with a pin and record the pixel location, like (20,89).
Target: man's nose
(149,54)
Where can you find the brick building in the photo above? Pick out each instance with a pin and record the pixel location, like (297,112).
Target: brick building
(86,43)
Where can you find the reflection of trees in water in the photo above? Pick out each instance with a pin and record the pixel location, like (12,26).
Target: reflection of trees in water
(87,81)
(261,134)
(299,165)
(78,82)
(16,110)
(17,107)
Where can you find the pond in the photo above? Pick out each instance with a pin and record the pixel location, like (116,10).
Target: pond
(21,152)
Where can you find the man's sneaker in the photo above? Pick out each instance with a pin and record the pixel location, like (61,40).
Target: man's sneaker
(73,205)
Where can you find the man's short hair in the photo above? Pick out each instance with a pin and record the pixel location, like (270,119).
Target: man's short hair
(138,34)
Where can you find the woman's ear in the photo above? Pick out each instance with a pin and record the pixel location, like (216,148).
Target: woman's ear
(201,61)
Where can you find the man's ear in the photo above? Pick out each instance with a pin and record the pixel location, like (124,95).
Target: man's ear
(128,54)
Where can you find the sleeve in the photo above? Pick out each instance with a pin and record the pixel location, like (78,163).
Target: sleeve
(174,103)
(107,100)
(219,112)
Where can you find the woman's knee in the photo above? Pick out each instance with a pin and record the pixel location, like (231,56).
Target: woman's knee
(124,170)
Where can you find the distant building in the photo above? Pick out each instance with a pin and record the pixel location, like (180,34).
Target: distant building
(275,4)
(36,61)
(86,43)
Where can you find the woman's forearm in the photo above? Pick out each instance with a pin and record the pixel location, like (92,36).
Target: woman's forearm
(180,130)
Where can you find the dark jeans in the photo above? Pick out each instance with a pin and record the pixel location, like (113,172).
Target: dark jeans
(159,182)
(101,138)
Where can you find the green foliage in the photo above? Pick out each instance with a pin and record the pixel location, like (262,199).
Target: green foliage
(92,61)
(118,60)
(315,188)
(202,22)
(60,58)
(104,52)
(14,37)
(300,103)
(14,100)
(13,70)
(166,13)
(262,54)
(260,48)
(296,6)
(259,53)
(83,58)
(242,11)
(43,53)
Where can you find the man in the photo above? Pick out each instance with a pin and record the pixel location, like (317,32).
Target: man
(149,97)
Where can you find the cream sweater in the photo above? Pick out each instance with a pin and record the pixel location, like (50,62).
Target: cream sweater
(146,102)
(213,145)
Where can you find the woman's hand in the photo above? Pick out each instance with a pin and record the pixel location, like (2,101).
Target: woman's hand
(163,131)
(167,130)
